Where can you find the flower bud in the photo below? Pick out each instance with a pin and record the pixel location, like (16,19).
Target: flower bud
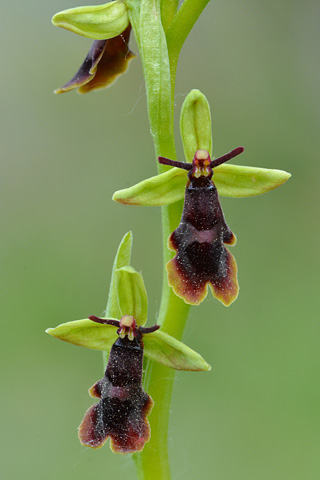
(99,22)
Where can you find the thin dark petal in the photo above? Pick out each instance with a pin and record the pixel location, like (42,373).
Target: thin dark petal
(145,330)
(225,158)
(104,321)
(201,257)
(88,69)
(174,163)
(122,411)
(114,61)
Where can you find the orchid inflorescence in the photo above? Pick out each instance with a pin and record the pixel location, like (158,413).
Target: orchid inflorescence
(200,258)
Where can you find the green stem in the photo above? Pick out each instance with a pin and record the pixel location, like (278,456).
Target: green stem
(153,463)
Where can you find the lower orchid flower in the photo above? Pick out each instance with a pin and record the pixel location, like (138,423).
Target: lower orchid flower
(123,407)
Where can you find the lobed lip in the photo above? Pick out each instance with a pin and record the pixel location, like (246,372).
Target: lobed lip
(121,413)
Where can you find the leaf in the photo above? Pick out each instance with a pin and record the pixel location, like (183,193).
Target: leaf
(241,181)
(168,351)
(86,333)
(132,295)
(195,124)
(159,190)
(122,259)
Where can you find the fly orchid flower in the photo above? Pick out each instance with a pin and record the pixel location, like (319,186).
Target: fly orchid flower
(124,406)
(109,55)
(201,258)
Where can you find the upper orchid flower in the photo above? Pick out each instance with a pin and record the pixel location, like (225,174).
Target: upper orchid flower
(199,241)
(109,55)
(201,258)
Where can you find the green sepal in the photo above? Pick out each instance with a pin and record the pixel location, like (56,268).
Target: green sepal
(162,189)
(99,22)
(132,295)
(163,348)
(195,124)
(230,180)
(122,259)
(86,333)
(158,346)
(240,181)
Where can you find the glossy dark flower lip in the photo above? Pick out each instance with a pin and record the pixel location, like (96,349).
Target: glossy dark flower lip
(105,61)
(201,258)
(122,411)
(201,261)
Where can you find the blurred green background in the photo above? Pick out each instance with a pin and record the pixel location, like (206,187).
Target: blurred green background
(256,414)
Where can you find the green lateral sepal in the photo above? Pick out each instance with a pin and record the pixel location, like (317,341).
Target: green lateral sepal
(168,351)
(86,333)
(241,181)
(158,346)
(159,190)
(230,180)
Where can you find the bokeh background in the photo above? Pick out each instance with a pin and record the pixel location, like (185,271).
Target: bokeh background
(256,414)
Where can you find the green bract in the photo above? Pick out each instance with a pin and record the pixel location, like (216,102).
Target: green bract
(155,61)
(158,346)
(132,295)
(99,22)
(122,259)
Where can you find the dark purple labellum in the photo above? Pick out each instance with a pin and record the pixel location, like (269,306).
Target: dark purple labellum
(122,411)
(201,258)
